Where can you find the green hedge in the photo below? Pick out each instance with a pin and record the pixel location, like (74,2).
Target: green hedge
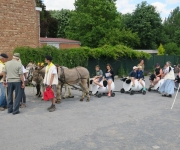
(77,56)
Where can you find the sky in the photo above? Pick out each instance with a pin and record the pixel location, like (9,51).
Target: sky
(164,7)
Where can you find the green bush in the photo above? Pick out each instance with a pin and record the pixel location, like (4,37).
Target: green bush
(172,49)
(77,56)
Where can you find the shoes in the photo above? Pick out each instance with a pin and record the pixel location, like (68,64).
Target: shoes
(133,85)
(144,89)
(15,113)
(2,108)
(164,95)
(22,106)
(151,86)
(49,107)
(58,102)
(169,95)
(53,108)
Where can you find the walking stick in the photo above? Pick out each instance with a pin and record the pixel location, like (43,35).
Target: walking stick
(175,97)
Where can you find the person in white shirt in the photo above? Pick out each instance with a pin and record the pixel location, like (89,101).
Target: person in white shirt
(51,80)
(167,88)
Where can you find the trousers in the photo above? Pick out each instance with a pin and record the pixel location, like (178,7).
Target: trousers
(3,102)
(14,106)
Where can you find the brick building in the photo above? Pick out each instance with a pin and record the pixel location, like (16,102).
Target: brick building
(60,42)
(19,24)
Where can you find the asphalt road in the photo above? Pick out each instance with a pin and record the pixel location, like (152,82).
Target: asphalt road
(123,122)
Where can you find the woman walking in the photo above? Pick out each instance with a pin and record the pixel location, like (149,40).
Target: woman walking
(167,88)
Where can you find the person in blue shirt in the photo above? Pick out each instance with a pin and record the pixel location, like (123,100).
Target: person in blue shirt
(140,76)
(133,75)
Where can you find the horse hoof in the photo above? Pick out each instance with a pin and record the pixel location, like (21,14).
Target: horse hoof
(63,97)
(58,102)
(81,100)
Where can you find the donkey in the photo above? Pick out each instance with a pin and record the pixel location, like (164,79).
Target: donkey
(38,76)
(75,76)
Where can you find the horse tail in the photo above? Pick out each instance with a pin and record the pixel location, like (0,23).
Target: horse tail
(88,82)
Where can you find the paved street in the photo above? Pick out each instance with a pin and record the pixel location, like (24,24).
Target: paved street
(123,122)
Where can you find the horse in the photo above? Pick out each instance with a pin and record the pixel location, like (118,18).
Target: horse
(75,76)
(36,73)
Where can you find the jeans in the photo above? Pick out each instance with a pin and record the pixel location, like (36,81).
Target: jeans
(14,86)
(108,78)
(3,102)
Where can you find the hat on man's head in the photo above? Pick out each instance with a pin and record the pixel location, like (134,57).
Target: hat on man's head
(16,55)
(48,58)
(4,55)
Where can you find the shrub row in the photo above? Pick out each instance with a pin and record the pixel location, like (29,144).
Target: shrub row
(77,56)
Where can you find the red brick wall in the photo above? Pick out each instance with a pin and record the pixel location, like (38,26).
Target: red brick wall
(19,24)
(66,46)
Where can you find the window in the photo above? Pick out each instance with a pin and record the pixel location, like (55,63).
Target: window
(53,44)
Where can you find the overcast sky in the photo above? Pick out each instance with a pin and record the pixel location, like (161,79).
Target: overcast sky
(123,6)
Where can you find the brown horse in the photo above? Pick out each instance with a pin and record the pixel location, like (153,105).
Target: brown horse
(75,76)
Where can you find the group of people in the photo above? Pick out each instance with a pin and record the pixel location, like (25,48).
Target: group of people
(138,73)
(12,80)
(13,76)
(166,73)
(109,77)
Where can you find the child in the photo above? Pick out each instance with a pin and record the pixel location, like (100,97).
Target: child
(133,75)
(99,76)
(140,76)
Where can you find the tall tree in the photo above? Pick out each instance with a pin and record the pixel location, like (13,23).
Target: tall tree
(123,37)
(91,20)
(62,16)
(171,26)
(146,21)
(48,25)
(172,49)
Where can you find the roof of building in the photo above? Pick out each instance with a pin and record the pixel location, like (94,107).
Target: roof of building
(58,40)
(149,51)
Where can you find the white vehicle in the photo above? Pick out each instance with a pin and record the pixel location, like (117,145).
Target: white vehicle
(127,86)
(156,86)
(100,91)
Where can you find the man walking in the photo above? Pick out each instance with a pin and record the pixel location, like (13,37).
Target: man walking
(3,102)
(15,82)
(51,79)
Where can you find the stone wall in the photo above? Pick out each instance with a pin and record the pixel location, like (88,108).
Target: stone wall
(19,25)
